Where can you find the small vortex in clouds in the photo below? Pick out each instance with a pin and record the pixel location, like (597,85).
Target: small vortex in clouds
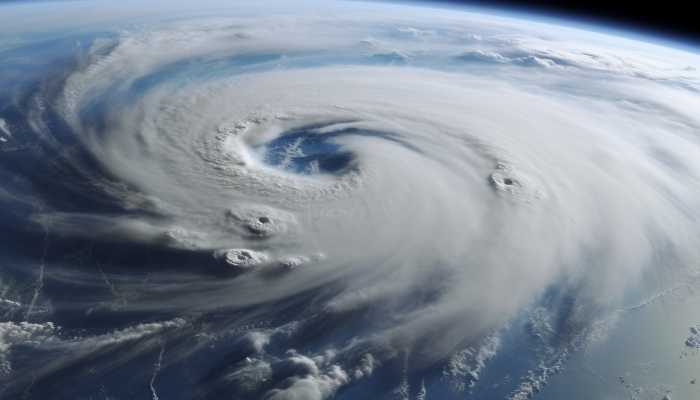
(286,204)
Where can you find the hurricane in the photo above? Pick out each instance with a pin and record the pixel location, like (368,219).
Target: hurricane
(331,200)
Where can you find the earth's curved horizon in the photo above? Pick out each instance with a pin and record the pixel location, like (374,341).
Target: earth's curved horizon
(344,200)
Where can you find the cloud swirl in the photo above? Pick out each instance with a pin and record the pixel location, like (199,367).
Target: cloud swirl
(324,194)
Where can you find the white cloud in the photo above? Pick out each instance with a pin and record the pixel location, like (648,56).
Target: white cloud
(570,164)
(467,190)
(309,382)
(25,333)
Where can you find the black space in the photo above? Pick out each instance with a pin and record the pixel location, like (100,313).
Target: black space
(675,20)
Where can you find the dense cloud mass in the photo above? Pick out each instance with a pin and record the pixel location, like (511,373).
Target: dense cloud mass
(332,201)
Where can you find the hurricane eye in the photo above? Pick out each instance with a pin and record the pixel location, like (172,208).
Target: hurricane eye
(307,151)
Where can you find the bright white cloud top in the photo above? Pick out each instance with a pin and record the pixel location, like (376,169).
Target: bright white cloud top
(348,199)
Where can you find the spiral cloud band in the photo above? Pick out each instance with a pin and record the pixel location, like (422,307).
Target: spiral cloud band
(306,203)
